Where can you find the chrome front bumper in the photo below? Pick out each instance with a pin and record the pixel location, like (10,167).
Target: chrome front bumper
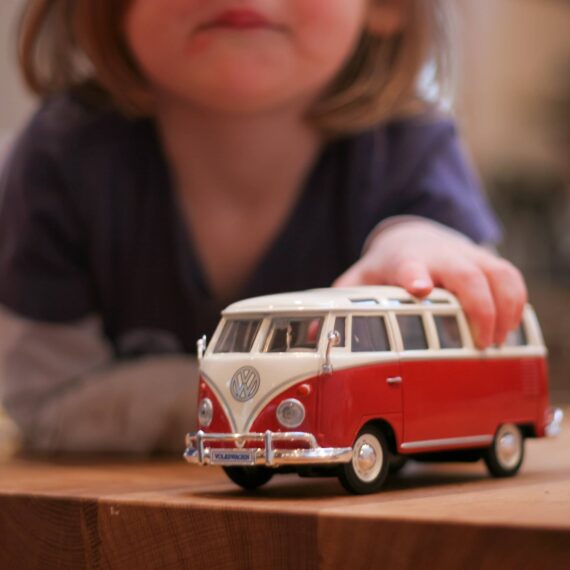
(554,422)
(198,452)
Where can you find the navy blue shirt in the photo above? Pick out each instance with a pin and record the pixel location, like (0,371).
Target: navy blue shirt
(89,222)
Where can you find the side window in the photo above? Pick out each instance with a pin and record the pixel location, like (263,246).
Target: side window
(340,327)
(413,333)
(369,334)
(517,337)
(448,331)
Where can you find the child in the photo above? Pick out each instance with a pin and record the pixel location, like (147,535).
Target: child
(193,152)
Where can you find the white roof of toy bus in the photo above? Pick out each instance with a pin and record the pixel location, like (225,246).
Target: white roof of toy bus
(347,299)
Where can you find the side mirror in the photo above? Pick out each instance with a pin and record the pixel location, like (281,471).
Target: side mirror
(333,339)
(201,347)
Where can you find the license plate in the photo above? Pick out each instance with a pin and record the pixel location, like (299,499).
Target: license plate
(232,456)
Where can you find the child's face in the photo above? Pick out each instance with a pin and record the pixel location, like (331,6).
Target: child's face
(243,55)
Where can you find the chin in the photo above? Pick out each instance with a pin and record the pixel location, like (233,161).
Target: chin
(242,93)
(240,103)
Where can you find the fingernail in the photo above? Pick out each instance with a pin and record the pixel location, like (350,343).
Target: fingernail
(421,284)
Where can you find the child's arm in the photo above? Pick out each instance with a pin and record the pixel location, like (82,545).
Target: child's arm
(434,190)
(418,254)
(65,392)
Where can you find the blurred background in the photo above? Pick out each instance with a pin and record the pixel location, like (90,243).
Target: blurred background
(513,103)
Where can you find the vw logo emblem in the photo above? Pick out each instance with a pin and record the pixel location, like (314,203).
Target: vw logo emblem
(244,383)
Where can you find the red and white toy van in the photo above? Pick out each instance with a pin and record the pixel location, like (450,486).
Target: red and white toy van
(352,382)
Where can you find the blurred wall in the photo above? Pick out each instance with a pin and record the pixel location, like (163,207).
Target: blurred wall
(515,56)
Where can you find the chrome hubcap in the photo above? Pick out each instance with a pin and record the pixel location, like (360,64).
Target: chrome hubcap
(367,458)
(509,446)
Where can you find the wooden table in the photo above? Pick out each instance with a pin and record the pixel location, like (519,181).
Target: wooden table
(167,514)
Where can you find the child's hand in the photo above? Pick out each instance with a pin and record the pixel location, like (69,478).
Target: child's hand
(419,255)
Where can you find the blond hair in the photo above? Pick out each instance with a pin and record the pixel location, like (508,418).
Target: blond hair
(79,44)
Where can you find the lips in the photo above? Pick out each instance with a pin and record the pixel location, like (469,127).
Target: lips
(239,19)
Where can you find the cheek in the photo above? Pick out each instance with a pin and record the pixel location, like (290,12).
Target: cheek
(328,30)
(155,29)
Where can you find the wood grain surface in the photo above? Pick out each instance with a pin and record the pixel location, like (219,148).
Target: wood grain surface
(162,513)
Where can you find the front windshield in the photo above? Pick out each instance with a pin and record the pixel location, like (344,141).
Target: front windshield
(293,334)
(237,335)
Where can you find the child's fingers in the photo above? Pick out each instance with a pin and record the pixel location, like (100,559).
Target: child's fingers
(491,291)
(471,287)
(509,292)
(413,276)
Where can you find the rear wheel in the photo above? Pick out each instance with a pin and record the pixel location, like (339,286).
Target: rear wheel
(368,468)
(250,478)
(505,456)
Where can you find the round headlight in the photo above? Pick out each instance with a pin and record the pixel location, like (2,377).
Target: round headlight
(290,413)
(205,412)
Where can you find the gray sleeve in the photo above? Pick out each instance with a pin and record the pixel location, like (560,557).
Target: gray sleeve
(62,388)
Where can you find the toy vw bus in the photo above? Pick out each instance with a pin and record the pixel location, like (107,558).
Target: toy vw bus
(353,382)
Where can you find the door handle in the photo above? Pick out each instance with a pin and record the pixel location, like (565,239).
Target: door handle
(394,380)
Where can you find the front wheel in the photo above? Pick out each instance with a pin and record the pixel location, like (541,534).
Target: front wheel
(505,455)
(250,478)
(368,468)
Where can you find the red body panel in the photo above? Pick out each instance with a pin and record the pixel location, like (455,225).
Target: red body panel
(437,399)
(461,398)
(267,419)
(542,399)
(220,423)
(349,397)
